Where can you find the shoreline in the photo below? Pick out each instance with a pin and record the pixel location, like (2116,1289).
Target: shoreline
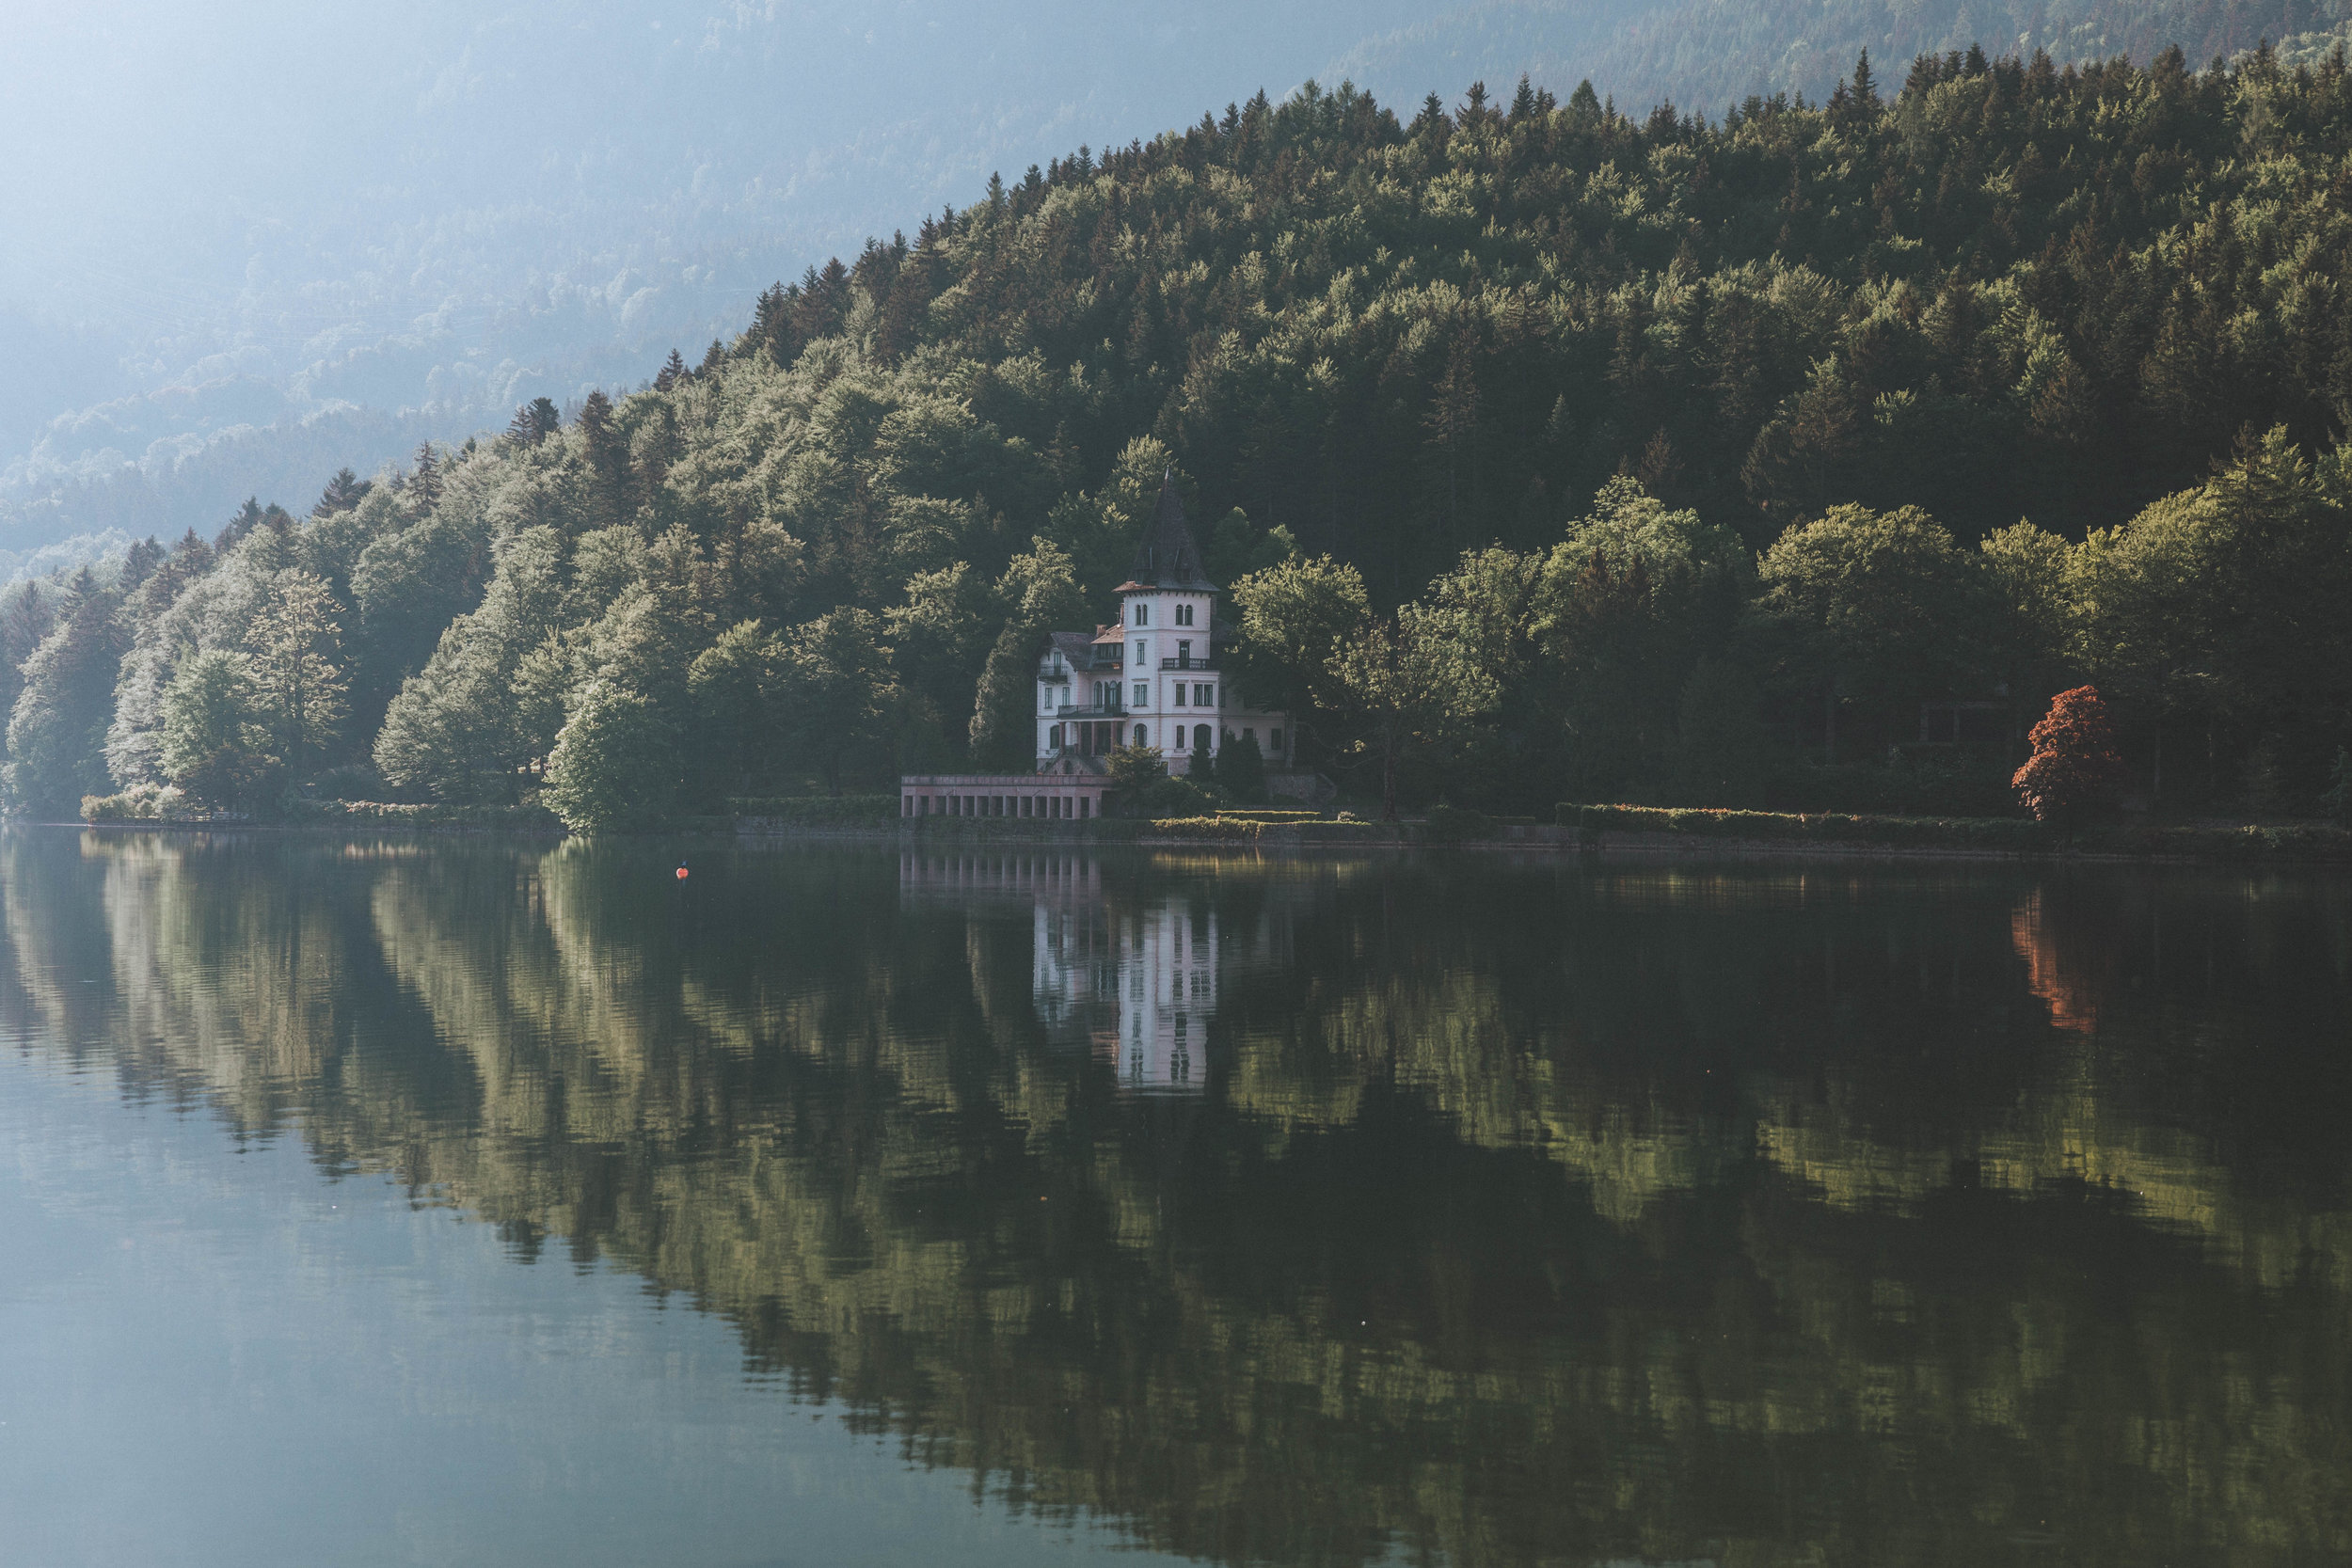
(2301,845)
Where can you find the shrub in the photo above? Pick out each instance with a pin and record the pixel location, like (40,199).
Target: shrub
(1231,830)
(395,814)
(1177,797)
(1819,827)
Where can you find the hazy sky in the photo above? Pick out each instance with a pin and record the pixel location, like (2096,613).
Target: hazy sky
(229,216)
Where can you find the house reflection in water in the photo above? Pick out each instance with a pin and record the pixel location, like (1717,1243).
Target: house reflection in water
(1116,967)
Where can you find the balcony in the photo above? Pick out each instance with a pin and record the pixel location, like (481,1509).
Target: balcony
(1091,710)
(1204,661)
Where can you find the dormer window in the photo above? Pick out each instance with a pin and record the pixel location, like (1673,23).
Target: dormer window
(1183,614)
(1143,616)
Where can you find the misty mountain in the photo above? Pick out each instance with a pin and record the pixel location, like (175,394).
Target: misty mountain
(258,243)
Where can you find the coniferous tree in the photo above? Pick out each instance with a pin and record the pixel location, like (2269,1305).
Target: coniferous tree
(424,480)
(58,729)
(343,492)
(534,421)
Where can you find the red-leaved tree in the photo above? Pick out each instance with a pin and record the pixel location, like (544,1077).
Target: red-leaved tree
(2074,772)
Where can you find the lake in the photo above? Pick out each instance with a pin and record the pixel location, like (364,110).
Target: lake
(469,1201)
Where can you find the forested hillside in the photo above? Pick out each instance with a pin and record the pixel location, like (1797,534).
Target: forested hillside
(1620,455)
(1708,54)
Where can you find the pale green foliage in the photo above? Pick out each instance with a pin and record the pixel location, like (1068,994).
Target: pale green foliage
(454,729)
(838,690)
(1039,593)
(1878,604)
(59,728)
(616,762)
(1291,618)
(212,745)
(1407,683)
(298,684)
(2031,571)
(734,684)
(1627,524)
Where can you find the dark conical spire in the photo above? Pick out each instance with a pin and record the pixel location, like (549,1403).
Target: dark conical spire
(1168,556)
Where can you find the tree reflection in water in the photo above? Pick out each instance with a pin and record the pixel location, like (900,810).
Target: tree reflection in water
(1298,1211)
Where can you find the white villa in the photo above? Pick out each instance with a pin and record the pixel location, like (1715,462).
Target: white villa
(1154,677)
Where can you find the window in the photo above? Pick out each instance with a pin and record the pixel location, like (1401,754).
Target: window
(1053,739)
(1183,614)
(1086,806)
(1204,696)
(1143,737)
(1143,616)
(1201,738)
(1184,654)
(1251,736)
(1180,693)
(1276,737)
(1143,696)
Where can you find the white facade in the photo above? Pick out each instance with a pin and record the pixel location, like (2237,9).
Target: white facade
(1157,678)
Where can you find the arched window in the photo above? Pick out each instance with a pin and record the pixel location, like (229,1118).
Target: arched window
(1201,738)
(1143,616)
(1143,737)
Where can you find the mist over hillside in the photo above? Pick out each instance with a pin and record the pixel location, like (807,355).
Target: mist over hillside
(253,244)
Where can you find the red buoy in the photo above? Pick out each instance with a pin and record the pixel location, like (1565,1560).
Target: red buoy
(681,873)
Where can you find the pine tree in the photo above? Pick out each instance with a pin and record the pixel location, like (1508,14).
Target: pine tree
(424,482)
(534,421)
(343,492)
(672,372)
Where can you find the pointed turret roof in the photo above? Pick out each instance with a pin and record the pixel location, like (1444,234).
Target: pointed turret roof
(1168,556)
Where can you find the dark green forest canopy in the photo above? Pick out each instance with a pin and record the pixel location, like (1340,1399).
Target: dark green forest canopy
(1529,356)
(2005,290)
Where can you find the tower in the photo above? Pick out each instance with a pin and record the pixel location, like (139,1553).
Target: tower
(1167,611)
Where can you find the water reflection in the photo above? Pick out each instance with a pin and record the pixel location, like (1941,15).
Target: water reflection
(1132,977)
(1308,1212)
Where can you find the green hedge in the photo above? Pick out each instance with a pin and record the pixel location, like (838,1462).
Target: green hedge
(1221,829)
(394,814)
(1269,814)
(1973,833)
(2303,842)
(817,809)
(1234,830)
(151,806)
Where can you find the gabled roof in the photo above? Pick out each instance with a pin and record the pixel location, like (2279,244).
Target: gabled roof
(1168,556)
(1078,647)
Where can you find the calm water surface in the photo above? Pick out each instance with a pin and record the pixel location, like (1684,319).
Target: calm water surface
(469,1201)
